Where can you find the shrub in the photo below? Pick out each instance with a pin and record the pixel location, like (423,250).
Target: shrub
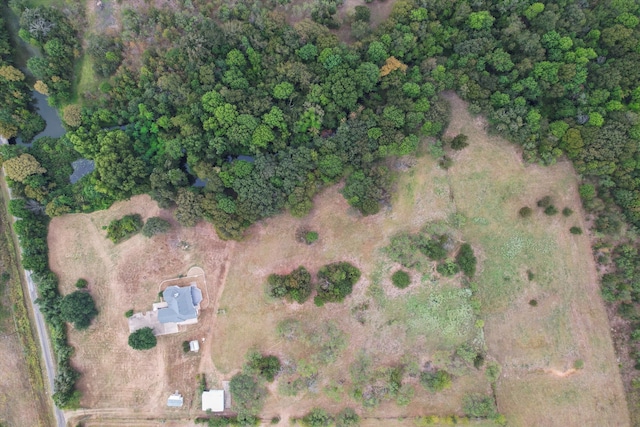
(544,202)
(466,259)
(79,309)
(567,212)
(492,372)
(478,406)
(265,366)
(550,210)
(123,228)
(310,237)
(432,248)
(435,381)
(186,348)
(445,162)
(401,279)
(295,286)
(81,284)
(347,418)
(533,303)
(459,142)
(128,313)
(317,418)
(143,339)
(155,225)
(525,212)
(275,420)
(578,364)
(575,230)
(530,275)
(335,282)
(448,268)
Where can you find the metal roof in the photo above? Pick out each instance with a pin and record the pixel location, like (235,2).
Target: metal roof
(213,400)
(181,304)
(175,400)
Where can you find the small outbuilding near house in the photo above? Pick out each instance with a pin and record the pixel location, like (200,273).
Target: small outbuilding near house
(175,400)
(194,346)
(213,400)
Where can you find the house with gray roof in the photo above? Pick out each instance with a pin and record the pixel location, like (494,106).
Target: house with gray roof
(182,305)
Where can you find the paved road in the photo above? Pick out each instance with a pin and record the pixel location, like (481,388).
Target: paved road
(45,345)
(43,335)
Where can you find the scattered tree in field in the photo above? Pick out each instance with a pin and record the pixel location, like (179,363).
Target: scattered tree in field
(78,308)
(21,167)
(401,279)
(533,303)
(575,230)
(435,381)
(478,406)
(466,259)
(128,313)
(264,366)
(550,210)
(295,286)
(123,228)
(82,283)
(142,339)
(247,395)
(525,212)
(459,142)
(317,418)
(335,282)
(567,212)
(155,225)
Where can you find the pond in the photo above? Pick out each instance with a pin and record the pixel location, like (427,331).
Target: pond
(54,126)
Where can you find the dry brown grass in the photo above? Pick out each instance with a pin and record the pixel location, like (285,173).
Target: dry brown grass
(487,184)
(127,276)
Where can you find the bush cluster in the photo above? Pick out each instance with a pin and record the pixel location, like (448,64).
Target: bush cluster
(335,282)
(121,229)
(295,286)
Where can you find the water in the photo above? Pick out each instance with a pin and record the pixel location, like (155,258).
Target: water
(81,168)
(54,127)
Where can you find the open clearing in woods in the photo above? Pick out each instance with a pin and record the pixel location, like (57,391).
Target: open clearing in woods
(477,201)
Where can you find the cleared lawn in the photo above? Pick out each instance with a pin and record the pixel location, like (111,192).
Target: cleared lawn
(127,276)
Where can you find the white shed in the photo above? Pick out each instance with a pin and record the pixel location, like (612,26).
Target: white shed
(213,400)
(194,346)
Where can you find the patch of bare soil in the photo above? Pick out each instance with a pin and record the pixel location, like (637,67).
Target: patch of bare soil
(128,276)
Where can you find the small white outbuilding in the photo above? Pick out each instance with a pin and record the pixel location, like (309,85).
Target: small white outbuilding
(213,400)
(194,346)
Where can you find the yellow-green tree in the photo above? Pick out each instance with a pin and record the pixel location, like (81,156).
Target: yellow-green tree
(19,168)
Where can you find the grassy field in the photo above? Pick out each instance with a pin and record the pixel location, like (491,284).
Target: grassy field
(478,201)
(557,360)
(23,400)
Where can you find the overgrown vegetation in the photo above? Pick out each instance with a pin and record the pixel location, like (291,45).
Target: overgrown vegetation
(121,229)
(335,282)
(155,225)
(295,286)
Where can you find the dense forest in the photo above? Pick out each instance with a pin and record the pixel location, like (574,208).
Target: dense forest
(264,114)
